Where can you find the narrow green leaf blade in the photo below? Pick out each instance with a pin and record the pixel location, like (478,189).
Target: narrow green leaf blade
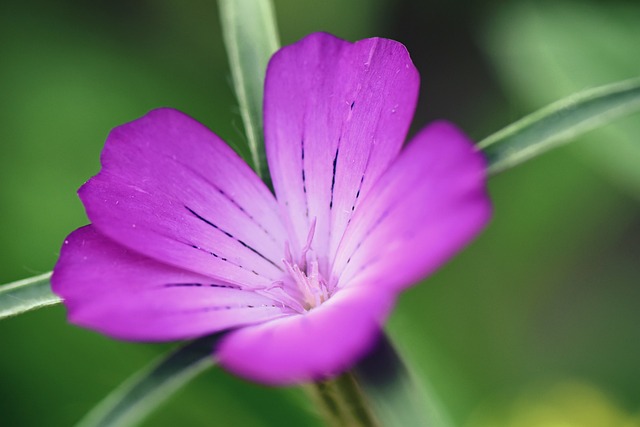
(250,36)
(26,295)
(137,397)
(559,123)
(394,395)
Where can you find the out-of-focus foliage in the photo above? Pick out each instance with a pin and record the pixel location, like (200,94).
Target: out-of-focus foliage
(549,291)
(547,50)
(564,404)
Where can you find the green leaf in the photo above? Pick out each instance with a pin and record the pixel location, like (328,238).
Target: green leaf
(546,50)
(394,394)
(250,36)
(559,123)
(25,295)
(137,397)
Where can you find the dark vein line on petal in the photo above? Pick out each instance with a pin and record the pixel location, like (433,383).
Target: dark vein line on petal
(353,207)
(226,233)
(221,258)
(373,261)
(304,178)
(240,266)
(333,178)
(364,173)
(229,198)
(203,285)
(368,233)
(231,307)
(397,202)
(237,205)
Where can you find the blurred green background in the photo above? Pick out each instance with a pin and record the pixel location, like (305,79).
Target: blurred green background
(536,324)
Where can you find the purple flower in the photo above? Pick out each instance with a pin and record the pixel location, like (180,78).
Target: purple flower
(186,240)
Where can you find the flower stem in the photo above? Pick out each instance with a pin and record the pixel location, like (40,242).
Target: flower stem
(342,402)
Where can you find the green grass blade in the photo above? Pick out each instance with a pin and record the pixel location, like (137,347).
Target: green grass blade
(559,123)
(250,36)
(394,394)
(137,397)
(26,295)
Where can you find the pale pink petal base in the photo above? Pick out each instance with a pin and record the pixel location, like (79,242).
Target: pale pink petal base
(309,347)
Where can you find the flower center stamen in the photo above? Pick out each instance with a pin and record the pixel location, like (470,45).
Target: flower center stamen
(310,289)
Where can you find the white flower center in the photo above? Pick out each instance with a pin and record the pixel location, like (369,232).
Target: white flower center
(311,285)
(304,287)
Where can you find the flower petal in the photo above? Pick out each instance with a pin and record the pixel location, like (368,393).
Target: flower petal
(335,115)
(120,293)
(428,205)
(172,190)
(312,346)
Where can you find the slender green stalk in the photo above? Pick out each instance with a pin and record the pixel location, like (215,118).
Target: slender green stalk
(145,391)
(379,391)
(250,36)
(26,295)
(342,402)
(395,395)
